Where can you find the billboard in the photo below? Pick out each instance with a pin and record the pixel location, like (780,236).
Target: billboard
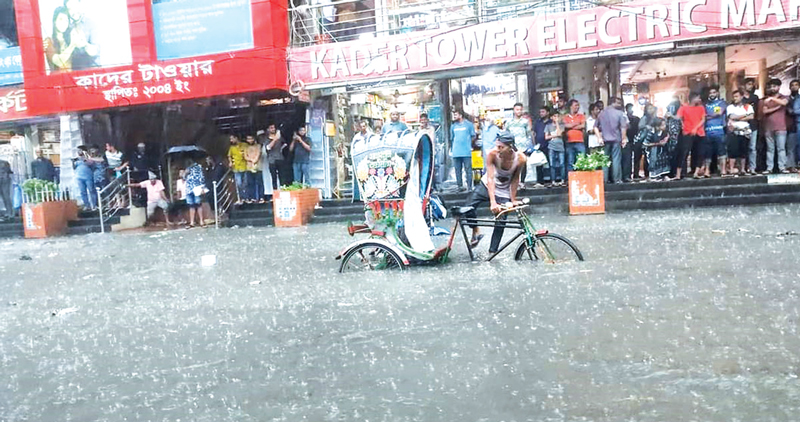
(189,28)
(85,34)
(10,66)
(123,67)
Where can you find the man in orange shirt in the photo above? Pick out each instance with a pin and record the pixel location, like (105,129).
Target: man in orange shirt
(574,125)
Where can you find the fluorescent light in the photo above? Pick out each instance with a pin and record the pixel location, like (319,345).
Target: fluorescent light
(563,58)
(353,82)
(639,49)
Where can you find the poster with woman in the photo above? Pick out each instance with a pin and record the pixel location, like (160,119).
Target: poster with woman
(85,34)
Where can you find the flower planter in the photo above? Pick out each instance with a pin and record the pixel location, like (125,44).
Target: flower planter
(586,192)
(47,219)
(294,208)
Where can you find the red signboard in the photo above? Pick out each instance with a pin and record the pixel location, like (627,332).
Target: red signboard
(13,104)
(542,36)
(58,83)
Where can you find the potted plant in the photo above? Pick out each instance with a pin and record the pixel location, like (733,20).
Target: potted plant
(586,184)
(46,210)
(294,205)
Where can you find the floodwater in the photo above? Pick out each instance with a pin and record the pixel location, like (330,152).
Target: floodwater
(675,316)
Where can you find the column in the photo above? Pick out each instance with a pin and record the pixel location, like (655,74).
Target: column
(580,81)
(613,77)
(71,138)
(763,76)
(722,75)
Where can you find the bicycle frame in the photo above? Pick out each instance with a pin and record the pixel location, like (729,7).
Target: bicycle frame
(522,223)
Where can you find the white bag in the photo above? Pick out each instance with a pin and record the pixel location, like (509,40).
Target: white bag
(536,159)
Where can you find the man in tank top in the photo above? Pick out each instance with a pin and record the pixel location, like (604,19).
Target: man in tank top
(498,185)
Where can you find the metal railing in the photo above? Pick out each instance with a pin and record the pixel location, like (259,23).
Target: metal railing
(114,197)
(46,195)
(223,198)
(323,21)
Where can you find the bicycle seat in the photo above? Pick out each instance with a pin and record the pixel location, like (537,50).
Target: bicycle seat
(459,211)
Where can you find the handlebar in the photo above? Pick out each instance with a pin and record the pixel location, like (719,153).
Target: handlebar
(510,207)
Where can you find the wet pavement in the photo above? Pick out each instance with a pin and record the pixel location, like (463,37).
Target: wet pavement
(675,315)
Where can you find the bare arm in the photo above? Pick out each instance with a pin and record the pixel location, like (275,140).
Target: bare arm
(490,171)
(515,177)
(274,141)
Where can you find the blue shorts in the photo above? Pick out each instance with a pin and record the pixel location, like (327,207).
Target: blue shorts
(717,146)
(193,200)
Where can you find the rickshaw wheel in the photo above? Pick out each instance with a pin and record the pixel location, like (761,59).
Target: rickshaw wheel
(549,248)
(371,257)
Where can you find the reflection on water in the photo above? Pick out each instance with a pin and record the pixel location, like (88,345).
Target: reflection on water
(677,315)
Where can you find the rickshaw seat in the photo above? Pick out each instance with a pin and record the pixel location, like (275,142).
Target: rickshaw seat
(459,211)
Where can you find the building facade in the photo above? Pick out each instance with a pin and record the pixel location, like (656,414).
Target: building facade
(361,58)
(159,72)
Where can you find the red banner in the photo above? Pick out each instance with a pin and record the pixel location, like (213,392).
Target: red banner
(547,35)
(13,104)
(55,85)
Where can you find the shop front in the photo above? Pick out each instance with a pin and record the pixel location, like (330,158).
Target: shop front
(143,77)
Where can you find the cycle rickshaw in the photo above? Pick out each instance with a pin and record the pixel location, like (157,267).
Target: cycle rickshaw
(394,174)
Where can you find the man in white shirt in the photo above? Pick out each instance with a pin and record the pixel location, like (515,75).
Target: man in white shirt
(739,116)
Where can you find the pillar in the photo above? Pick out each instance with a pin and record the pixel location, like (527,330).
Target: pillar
(71,138)
(580,82)
(613,77)
(722,74)
(762,77)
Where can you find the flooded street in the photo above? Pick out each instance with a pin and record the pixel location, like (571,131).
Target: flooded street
(677,315)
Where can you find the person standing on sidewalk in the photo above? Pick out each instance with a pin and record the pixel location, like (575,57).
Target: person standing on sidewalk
(84,174)
(462,135)
(574,125)
(275,146)
(539,139)
(5,187)
(628,151)
(693,117)
(521,128)
(42,168)
(593,134)
(791,128)
(613,125)
(255,180)
(394,125)
(739,115)
(715,131)
(751,98)
(238,165)
(301,146)
(773,112)
(555,138)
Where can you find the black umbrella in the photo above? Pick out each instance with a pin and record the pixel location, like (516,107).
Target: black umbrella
(186,151)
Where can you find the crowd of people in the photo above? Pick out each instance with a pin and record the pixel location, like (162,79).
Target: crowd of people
(700,138)
(285,160)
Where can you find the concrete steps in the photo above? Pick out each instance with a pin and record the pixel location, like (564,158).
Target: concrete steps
(12,228)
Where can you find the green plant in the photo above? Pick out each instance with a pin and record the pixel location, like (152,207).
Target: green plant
(295,186)
(594,161)
(35,189)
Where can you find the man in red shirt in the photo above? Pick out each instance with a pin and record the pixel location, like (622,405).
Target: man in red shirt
(574,125)
(773,119)
(693,116)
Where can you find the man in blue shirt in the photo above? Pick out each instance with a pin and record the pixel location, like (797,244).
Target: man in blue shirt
(539,127)
(394,125)
(462,133)
(715,130)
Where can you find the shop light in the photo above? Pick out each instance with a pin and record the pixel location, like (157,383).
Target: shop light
(563,58)
(637,50)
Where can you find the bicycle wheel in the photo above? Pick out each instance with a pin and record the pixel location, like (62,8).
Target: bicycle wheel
(550,248)
(371,257)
